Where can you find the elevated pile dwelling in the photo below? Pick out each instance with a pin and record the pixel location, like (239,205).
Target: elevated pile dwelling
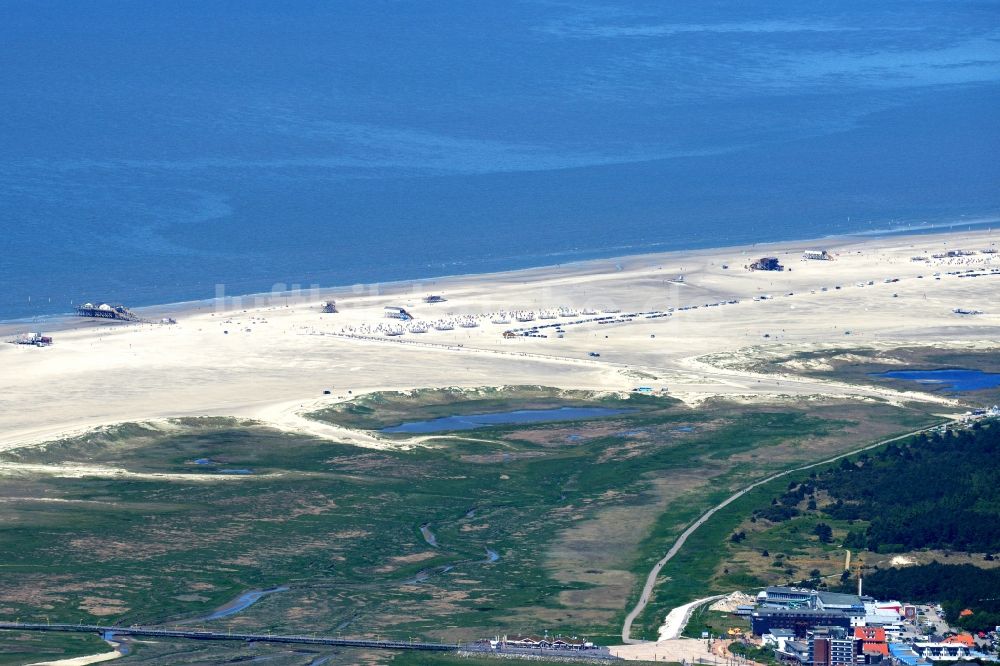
(392,312)
(105,311)
(819,255)
(330,307)
(434,299)
(767,264)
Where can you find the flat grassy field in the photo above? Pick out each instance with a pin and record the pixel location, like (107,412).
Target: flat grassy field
(534,527)
(18,648)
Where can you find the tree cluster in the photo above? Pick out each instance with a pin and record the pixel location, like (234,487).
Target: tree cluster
(938,491)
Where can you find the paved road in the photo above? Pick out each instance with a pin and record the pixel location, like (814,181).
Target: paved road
(647,589)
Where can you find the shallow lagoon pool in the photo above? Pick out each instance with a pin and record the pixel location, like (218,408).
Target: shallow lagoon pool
(953,379)
(473,421)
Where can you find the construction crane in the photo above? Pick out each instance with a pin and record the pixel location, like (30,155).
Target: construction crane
(859,566)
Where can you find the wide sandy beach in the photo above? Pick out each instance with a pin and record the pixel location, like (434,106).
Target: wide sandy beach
(272,359)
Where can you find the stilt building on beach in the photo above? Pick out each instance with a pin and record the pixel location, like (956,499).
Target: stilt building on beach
(393,312)
(105,311)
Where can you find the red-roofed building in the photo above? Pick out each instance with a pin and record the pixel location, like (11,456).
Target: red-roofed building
(876,634)
(871,644)
(962,639)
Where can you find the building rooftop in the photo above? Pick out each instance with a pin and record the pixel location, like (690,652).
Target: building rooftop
(839,599)
(832,612)
(870,634)
(961,639)
(783,589)
(905,655)
(831,632)
(797,647)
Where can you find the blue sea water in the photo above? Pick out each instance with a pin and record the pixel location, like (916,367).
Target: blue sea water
(473,421)
(151,150)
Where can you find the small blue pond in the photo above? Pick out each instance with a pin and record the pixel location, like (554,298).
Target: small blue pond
(951,380)
(473,421)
